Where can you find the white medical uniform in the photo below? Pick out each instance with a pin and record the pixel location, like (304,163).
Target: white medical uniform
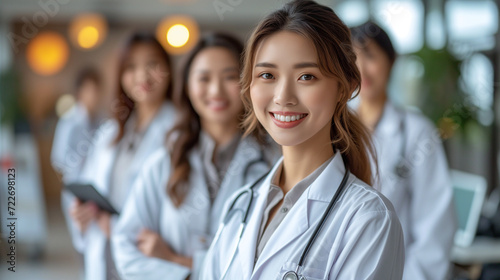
(361,238)
(423,198)
(72,142)
(98,172)
(189,229)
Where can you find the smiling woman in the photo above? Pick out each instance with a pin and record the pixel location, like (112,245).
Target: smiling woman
(314,216)
(174,210)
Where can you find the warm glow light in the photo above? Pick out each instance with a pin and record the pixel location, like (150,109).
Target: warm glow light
(88,31)
(47,53)
(178,35)
(88,37)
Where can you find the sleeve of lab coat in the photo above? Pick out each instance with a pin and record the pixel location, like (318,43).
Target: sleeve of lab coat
(373,249)
(142,210)
(432,210)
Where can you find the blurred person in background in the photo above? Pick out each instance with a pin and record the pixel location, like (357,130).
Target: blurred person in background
(173,211)
(142,114)
(76,127)
(413,171)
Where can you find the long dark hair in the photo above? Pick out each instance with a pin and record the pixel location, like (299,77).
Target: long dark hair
(185,134)
(123,102)
(336,58)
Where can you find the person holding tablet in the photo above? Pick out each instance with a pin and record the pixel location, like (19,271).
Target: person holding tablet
(414,173)
(143,114)
(314,216)
(173,212)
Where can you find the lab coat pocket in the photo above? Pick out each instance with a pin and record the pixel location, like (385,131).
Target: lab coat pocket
(305,273)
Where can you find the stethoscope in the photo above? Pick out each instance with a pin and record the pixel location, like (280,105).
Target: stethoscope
(289,275)
(401,169)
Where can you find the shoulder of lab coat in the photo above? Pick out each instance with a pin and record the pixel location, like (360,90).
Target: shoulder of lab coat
(373,247)
(429,218)
(362,238)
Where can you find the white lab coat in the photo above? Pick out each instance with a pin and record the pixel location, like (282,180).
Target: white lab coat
(72,142)
(423,200)
(188,230)
(98,171)
(361,238)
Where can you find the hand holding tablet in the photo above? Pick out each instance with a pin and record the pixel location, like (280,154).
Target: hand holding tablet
(87,192)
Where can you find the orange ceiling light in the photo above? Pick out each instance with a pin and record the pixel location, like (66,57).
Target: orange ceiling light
(47,53)
(177,34)
(88,31)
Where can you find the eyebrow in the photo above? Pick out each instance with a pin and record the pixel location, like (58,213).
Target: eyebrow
(296,66)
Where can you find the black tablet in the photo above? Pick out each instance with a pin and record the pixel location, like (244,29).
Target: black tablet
(87,192)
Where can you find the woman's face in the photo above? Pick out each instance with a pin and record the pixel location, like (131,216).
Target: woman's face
(145,75)
(291,98)
(214,88)
(375,68)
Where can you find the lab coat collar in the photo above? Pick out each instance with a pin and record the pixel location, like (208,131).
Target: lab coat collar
(247,249)
(321,190)
(327,183)
(390,121)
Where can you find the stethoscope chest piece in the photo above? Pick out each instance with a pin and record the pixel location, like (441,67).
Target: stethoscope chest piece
(292,275)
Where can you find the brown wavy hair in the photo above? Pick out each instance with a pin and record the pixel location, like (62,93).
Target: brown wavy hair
(124,105)
(336,58)
(185,134)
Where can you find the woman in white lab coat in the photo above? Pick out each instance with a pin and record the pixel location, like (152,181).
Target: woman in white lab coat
(298,75)
(142,116)
(413,172)
(173,212)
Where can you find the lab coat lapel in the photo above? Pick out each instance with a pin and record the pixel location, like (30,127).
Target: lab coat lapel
(246,250)
(293,226)
(198,196)
(390,127)
(300,217)
(390,121)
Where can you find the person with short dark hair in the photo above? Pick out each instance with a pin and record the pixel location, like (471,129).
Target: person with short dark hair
(413,171)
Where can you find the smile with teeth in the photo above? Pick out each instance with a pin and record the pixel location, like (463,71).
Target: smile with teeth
(288,118)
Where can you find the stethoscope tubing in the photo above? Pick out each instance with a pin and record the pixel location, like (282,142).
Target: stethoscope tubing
(245,217)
